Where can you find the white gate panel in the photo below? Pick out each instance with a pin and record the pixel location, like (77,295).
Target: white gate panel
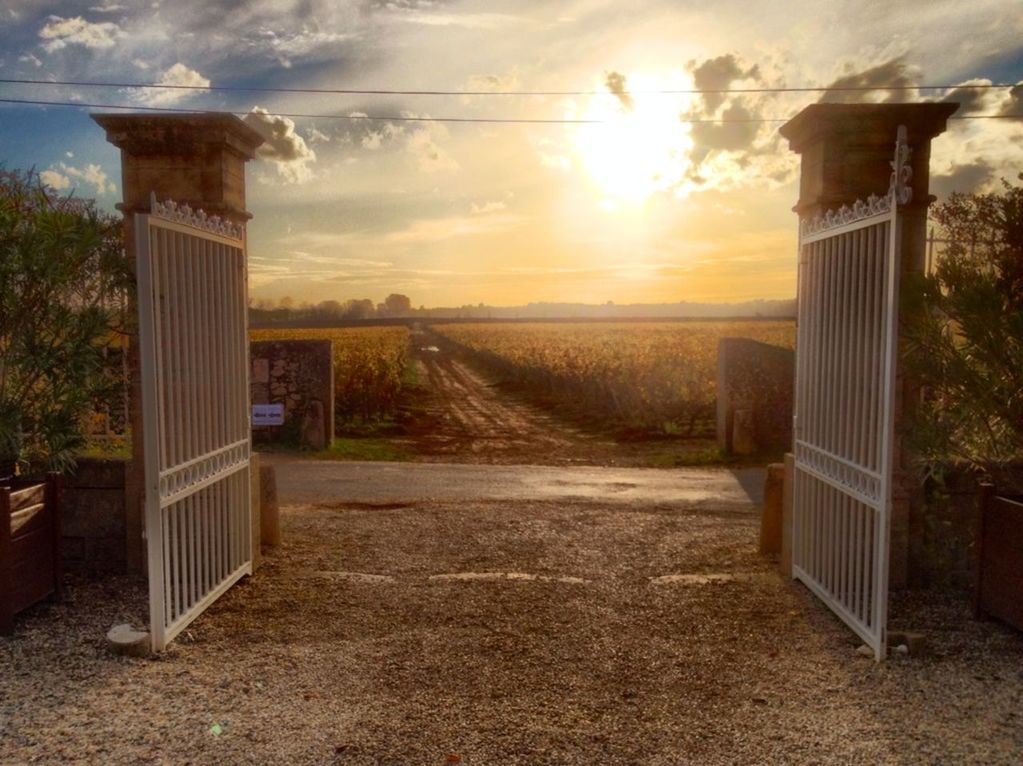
(193,332)
(845,394)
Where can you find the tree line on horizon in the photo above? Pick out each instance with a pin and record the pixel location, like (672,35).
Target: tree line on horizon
(396,306)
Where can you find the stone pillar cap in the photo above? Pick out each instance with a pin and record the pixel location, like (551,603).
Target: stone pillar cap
(141,134)
(922,121)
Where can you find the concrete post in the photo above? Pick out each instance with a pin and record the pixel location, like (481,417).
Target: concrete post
(845,153)
(198,159)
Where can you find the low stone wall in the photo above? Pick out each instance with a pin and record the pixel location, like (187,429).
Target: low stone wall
(298,374)
(943,530)
(94,516)
(754,397)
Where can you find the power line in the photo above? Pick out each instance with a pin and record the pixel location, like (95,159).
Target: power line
(394,92)
(412,118)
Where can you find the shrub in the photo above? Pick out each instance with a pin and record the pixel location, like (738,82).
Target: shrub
(60,261)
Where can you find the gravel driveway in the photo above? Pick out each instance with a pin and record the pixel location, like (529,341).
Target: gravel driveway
(534,631)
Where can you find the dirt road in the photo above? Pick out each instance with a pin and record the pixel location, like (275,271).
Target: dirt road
(457,413)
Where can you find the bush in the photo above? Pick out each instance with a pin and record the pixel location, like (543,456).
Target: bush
(966,334)
(61,260)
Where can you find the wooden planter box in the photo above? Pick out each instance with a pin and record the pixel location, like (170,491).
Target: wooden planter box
(30,562)
(999,591)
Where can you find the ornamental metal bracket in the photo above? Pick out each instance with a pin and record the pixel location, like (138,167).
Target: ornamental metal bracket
(899,188)
(170,210)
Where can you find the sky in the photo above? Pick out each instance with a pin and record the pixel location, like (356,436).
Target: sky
(643,207)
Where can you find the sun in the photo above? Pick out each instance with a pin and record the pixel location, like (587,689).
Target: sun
(640,146)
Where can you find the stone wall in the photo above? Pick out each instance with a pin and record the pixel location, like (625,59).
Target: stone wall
(94,516)
(754,397)
(300,375)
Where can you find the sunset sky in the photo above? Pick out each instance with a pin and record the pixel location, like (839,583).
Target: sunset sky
(644,207)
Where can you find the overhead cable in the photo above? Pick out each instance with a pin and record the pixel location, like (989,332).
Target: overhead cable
(422,118)
(400,92)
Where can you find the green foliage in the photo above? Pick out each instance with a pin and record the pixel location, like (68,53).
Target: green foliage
(60,262)
(965,332)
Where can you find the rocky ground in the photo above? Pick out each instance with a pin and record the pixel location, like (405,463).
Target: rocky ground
(491,632)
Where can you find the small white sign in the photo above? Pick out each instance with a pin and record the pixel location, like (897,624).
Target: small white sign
(267,414)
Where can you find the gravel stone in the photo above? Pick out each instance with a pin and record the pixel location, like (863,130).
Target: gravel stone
(346,648)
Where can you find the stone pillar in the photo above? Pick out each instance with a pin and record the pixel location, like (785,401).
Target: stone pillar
(845,151)
(196,159)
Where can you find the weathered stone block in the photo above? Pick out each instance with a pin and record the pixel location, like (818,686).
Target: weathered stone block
(771,517)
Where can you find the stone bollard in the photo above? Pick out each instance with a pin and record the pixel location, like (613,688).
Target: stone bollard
(255,517)
(770,520)
(744,440)
(314,431)
(269,512)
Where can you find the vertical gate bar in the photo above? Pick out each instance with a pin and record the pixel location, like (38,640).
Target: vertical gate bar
(149,386)
(177,425)
(158,281)
(194,592)
(891,331)
(190,342)
(832,350)
(172,534)
(241,345)
(175,418)
(858,404)
(168,585)
(197,294)
(808,416)
(225,383)
(848,376)
(221,532)
(200,540)
(206,444)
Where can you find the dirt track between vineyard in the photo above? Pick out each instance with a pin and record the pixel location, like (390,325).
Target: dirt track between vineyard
(460,413)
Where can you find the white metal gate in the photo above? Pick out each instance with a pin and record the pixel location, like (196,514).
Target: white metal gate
(193,331)
(845,397)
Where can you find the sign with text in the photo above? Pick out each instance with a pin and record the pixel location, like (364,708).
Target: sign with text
(267,414)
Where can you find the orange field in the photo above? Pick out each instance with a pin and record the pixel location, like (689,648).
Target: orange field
(644,375)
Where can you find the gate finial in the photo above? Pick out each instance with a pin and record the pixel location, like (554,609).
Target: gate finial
(902,173)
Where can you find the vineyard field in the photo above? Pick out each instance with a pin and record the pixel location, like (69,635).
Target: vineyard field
(645,376)
(369,366)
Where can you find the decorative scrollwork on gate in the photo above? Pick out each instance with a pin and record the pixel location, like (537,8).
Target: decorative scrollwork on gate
(860,209)
(170,210)
(900,192)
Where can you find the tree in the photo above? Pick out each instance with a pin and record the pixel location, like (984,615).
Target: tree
(397,305)
(61,262)
(965,332)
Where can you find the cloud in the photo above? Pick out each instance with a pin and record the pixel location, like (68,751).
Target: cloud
(317,136)
(428,154)
(91,174)
(464,20)
(55,180)
(878,82)
(60,33)
(718,74)
(177,75)
(28,58)
(284,147)
(973,100)
(372,140)
(300,44)
(494,206)
(615,82)
(491,83)
(737,131)
(731,147)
